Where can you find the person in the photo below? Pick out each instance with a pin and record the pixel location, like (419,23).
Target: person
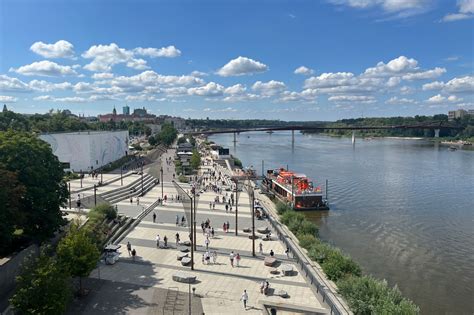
(213,206)
(210,205)
(214,257)
(138,201)
(182,220)
(231,256)
(224,227)
(208,258)
(237,259)
(165,240)
(267,286)
(154,217)
(134,253)
(228,226)
(260,247)
(177,220)
(129,248)
(157,240)
(212,232)
(262,286)
(131,199)
(287,252)
(244,298)
(177,239)
(226,208)
(207,243)
(271,252)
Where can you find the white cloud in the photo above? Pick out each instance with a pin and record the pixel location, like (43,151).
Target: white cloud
(169,52)
(407,90)
(138,64)
(439,99)
(102,76)
(328,80)
(199,74)
(235,89)
(429,74)
(105,56)
(352,98)
(45,68)
(304,71)
(45,86)
(307,96)
(401,8)
(466,11)
(9,84)
(242,66)
(269,88)
(393,81)
(398,65)
(50,98)
(8,99)
(60,49)
(400,101)
(210,89)
(456,85)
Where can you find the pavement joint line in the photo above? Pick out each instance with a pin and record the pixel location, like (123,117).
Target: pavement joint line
(205,271)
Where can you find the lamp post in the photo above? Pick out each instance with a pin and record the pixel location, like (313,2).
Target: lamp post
(192,234)
(121,175)
(252,204)
(95,195)
(141,165)
(236,207)
(193,201)
(161,178)
(81,177)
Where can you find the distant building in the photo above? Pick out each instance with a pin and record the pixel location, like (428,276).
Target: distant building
(455,114)
(155,128)
(177,122)
(139,114)
(126,110)
(87,150)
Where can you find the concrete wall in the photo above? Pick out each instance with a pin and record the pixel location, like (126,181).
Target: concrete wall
(83,150)
(11,268)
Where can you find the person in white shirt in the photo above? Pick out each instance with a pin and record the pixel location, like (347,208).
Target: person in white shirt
(244,298)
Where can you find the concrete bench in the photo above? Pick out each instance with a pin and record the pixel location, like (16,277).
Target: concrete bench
(183,249)
(185,243)
(185,261)
(182,255)
(247,230)
(184,277)
(281,293)
(269,261)
(287,269)
(263,230)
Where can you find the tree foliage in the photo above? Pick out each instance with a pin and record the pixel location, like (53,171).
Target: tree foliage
(41,175)
(166,136)
(367,295)
(42,287)
(78,253)
(11,193)
(195,159)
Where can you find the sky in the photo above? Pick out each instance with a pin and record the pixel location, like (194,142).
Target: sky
(236,59)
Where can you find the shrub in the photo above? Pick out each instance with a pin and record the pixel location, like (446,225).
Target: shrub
(237,162)
(297,223)
(337,265)
(307,240)
(183,179)
(107,210)
(319,252)
(367,295)
(281,207)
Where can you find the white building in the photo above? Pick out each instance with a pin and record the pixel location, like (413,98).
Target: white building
(87,150)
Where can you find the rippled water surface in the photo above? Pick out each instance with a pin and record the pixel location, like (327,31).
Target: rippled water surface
(404,209)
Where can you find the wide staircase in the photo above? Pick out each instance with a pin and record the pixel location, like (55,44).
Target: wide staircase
(133,189)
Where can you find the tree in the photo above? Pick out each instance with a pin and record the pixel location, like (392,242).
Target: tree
(42,287)
(11,193)
(41,173)
(78,254)
(195,159)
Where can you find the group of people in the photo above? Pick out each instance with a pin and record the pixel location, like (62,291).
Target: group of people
(208,256)
(234,256)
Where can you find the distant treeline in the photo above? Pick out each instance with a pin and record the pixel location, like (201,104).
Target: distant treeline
(61,121)
(466,124)
(243,123)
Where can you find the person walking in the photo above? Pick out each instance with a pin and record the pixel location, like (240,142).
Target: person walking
(207,243)
(138,201)
(272,253)
(134,253)
(244,298)
(177,220)
(231,257)
(226,208)
(154,217)
(287,252)
(210,205)
(129,248)
(237,259)
(228,226)
(260,248)
(212,232)
(224,227)
(177,239)
(165,240)
(157,240)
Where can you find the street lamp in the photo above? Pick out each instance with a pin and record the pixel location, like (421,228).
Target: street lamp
(192,226)
(95,195)
(236,206)
(121,173)
(161,176)
(141,164)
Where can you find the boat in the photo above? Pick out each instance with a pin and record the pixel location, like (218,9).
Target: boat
(295,189)
(452,148)
(269,131)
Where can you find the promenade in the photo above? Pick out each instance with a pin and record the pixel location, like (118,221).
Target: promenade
(145,285)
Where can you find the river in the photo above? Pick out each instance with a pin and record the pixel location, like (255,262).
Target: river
(403,209)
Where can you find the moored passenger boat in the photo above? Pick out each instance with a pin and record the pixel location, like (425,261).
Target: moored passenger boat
(295,189)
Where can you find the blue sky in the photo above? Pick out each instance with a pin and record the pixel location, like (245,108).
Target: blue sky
(289,60)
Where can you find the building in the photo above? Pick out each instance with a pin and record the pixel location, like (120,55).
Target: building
(177,122)
(126,110)
(139,114)
(87,150)
(155,128)
(219,153)
(455,114)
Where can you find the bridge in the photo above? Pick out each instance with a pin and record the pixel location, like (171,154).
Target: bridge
(436,126)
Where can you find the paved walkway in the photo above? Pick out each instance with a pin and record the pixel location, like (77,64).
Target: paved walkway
(219,286)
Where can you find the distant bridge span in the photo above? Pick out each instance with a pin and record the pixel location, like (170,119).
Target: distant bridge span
(303,128)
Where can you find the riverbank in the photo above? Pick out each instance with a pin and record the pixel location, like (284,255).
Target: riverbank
(335,270)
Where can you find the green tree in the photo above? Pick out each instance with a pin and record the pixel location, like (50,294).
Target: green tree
(11,193)
(195,159)
(167,134)
(40,172)
(42,288)
(78,253)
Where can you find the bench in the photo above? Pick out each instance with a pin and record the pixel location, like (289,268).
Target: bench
(184,277)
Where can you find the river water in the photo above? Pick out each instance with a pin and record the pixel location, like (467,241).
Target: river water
(403,209)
